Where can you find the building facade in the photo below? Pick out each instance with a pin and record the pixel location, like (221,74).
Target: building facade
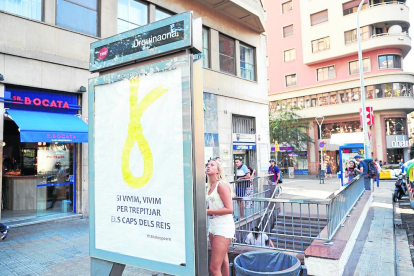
(313,64)
(44,61)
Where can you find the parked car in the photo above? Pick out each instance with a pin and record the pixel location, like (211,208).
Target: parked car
(391,171)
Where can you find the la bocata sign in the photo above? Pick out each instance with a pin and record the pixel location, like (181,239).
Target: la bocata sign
(45,102)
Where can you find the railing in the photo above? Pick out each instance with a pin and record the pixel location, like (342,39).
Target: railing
(296,222)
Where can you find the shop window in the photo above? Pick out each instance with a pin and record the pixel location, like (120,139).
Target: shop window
(290,80)
(340,127)
(323,99)
(289,55)
(294,102)
(77,15)
(349,95)
(356,95)
(325,73)
(288,31)
(333,98)
(313,101)
(206,43)
(319,17)
(131,14)
(389,61)
(351,36)
(354,66)
(369,92)
(227,55)
(386,90)
(247,64)
(162,14)
(395,126)
(27,8)
(321,44)
(301,102)
(287,7)
(307,102)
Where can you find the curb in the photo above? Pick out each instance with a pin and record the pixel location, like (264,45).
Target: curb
(46,220)
(403,262)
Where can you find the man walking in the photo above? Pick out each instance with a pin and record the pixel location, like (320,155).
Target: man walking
(363,171)
(242,173)
(379,170)
(273,169)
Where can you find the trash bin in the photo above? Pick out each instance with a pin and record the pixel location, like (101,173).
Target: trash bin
(259,263)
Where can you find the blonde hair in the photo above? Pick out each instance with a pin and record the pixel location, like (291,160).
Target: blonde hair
(221,177)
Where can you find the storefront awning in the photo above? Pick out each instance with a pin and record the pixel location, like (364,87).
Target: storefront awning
(49,127)
(347,138)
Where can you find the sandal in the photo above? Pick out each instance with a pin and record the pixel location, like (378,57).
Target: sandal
(4,235)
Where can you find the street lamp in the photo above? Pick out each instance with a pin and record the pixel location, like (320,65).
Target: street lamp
(367,147)
(319,121)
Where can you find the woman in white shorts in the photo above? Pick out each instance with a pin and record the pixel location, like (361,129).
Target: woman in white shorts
(220,214)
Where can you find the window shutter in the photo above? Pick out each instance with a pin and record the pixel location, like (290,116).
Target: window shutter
(319,17)
(288,31)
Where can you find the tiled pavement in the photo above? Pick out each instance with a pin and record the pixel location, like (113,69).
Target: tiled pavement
(55,248)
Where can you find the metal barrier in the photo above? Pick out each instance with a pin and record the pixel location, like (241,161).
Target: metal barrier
(292,225)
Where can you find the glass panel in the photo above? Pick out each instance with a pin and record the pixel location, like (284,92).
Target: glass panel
(390,61)
(286,7)
(378,91)
(206,57)
(313,101)
(333,98)
(76,18)
(307,102)
(138,13)
(366,62)
(27,8)
(160,14)
(247,62)
(288,31)
(55,176)
(353,67)
(395,126)
(382,62)
(301,102)
(227,61)
(356,95)
(396,89)
(387,90)
(349,95)
(331,72)
(123,10)
(86,3)
(369,92)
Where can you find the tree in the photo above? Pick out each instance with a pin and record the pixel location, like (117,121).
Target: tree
(288,127)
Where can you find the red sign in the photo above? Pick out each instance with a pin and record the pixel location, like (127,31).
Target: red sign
(369,114)
(103,53)
(40,102)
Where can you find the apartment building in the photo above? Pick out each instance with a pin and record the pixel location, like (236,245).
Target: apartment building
(313,64)
(44,61)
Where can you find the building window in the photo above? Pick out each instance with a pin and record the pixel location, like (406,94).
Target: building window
(395,126)
(289,55)
(351,36)
(354,66)
(326,73)
(352,6)
(321,44)
(389,61)
(131,14)
(247,68)
(290,80)
(27,8)
(78,15)
(206,42)
(227,55)
(287,7)
(161,14)
(319,17)
(288,31)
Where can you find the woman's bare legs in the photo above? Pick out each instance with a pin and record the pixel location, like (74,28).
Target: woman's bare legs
(219,263)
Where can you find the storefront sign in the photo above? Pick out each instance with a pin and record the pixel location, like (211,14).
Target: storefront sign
(24,99)
(397,141)
(244,138)
(244,147)
(158,38)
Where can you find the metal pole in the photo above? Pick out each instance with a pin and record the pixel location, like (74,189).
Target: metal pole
(320,138)
(367,146)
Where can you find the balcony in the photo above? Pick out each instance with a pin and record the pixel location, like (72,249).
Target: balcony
(247,12)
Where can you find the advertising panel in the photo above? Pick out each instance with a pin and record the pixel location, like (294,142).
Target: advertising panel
(139,178)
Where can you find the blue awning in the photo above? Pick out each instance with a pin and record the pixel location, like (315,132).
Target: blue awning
(49,127)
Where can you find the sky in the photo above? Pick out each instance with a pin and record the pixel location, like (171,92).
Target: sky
(409,59)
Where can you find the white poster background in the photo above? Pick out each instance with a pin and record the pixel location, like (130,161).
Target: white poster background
(264,157)
(162,128)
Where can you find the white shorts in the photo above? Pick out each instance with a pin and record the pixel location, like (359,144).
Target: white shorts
(225,228)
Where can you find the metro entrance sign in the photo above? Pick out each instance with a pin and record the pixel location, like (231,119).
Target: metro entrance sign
(138,216)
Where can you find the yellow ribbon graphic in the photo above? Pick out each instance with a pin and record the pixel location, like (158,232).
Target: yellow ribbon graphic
(135,135)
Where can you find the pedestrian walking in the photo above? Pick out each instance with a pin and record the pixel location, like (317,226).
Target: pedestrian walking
(4,229)
(257,238)
(274,170)
(351,171)
(243,177)
(362,169)
(220,214)
(328,171)
(379,170)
